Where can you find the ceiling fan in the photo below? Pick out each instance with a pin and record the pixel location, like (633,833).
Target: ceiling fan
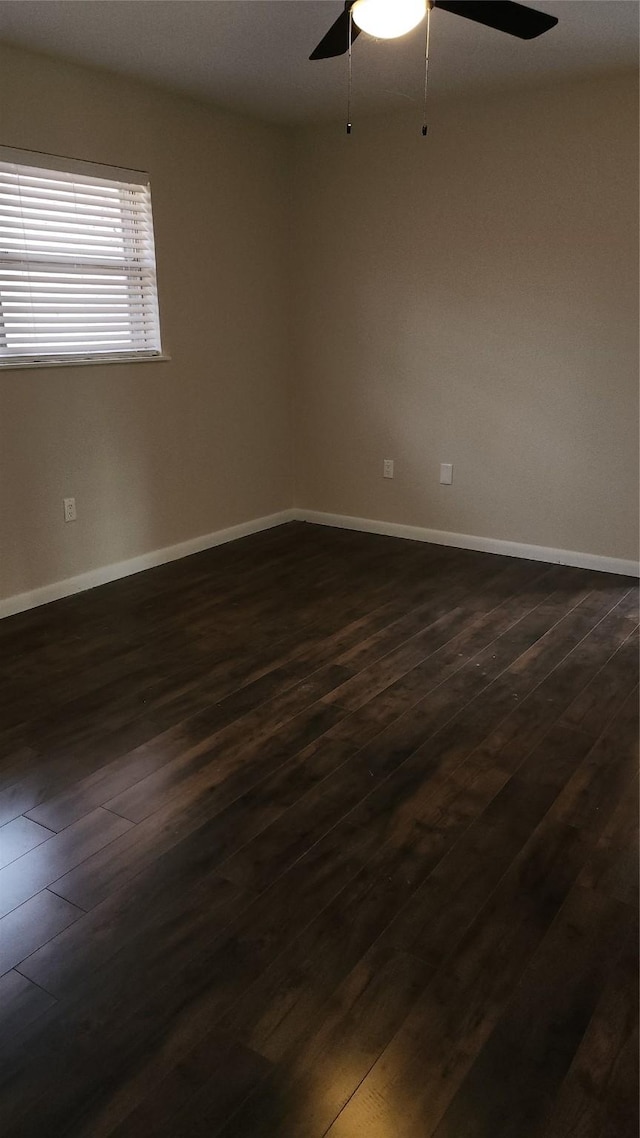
(387,19)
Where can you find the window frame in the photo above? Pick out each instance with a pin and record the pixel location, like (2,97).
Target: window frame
(121,179)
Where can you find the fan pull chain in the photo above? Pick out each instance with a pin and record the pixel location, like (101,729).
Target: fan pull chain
(426,70)
(349,81)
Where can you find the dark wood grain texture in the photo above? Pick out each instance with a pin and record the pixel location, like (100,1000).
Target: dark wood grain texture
(18,837)
(321,833)
(20,1002)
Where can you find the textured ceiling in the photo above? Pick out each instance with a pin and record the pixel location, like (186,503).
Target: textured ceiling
(251,55)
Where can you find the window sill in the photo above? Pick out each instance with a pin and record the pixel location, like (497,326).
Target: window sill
(105,361)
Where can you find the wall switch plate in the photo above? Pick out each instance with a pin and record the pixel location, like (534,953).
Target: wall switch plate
(70,514)
(446,473)
(387,468)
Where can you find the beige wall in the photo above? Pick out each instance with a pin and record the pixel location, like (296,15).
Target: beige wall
(162,452)
(469,299)
(472,298)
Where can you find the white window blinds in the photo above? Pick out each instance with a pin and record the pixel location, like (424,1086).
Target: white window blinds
(77,262)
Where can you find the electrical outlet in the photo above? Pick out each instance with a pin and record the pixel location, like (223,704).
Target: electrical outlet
(387,468)
(446,473)
(70,514)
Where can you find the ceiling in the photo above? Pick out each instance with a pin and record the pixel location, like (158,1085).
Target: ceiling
(252,55)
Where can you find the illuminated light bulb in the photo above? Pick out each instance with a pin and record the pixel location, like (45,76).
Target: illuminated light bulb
(388,19)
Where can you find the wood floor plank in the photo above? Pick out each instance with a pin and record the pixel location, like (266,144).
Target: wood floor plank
(200,1094)
(64,808)
(612,867)
(21,1002)
(135,918)
(597,786)
(400,847)
(88,1048)
(26,928)
(13,763)
(581,1105)
(42,865)
(21,795)
(202,798)
(446,591)
(542,1026)
(520,636)
(233,667)
(151,793)
(315,1080)
(435,726)
(608,690)
(18,837)
(477,620)
(433,1051)
(390,877)
(182,745)
(461,883)
(620,1103)
(580,807)
(353,822)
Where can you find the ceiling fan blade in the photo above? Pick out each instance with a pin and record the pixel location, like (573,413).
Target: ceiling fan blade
(336,41)
(515,19)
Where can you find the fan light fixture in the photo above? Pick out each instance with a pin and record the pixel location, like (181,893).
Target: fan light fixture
(388,19)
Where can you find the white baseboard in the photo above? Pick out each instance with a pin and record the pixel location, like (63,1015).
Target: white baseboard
(482,544)
(58,589)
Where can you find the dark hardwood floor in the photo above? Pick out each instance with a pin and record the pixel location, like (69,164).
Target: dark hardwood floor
(321,833)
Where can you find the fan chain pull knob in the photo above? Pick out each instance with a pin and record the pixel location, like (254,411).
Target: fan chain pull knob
(349,72)
(427,37)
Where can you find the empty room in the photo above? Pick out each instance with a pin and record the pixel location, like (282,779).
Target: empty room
(319,569)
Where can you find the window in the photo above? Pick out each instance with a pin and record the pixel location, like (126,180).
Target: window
(77,263)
